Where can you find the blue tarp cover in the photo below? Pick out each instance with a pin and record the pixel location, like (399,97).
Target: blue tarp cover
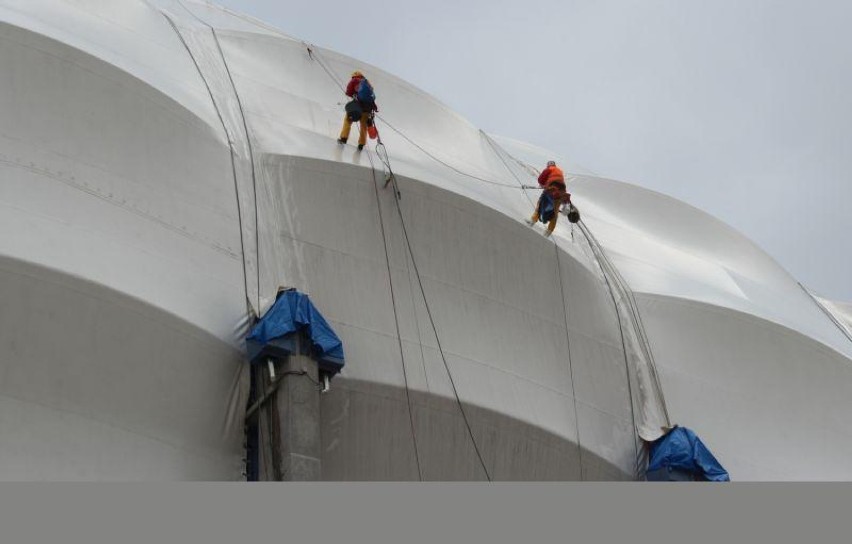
(294,311)
(682,449)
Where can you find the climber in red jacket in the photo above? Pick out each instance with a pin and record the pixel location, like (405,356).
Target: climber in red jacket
(361,108)
(552,180)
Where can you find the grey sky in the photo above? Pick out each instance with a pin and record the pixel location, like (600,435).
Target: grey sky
(739,107)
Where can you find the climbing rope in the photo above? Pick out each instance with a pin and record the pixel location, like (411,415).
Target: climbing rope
(396,319)
(314,55)
(381,153)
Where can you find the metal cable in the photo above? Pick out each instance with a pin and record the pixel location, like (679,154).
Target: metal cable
(392,178)
(438,341)
(230,149)
(570,366)
(396,318)
(314,55)
(251,160)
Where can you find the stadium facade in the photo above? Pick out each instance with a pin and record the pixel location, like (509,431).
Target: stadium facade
(166,166)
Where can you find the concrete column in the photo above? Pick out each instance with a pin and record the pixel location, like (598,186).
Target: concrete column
(297,401)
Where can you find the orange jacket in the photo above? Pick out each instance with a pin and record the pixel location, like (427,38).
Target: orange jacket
(551,174)
(552,180)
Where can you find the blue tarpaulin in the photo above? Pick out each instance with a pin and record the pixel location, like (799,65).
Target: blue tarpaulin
(293,311)
(682,450)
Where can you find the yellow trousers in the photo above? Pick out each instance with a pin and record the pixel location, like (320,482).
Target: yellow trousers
(347,126)
(557,205)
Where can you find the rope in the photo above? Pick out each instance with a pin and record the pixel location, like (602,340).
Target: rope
(610,288)
(438,341)
(396,319)
(570,366)
(446,164)
(392,178)
(624,350)
(316,57)
(494,147)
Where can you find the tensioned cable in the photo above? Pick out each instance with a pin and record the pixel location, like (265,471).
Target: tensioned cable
(448,165)
(570,366)
(315,55)
(392,178)
(438,340)
(494,147)
(230,149)
(608,270)
(248,142)
(610,290)
(497,152)
(396,318)
(630,302)
(532,171)
(597,251)
(251,160)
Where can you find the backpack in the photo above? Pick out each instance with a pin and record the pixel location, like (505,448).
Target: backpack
(545,208)
(354,110)
(364,92)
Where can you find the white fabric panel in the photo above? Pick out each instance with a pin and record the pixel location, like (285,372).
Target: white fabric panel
(662,246)
(771,403)
(121,186)
(186,169)
(97,385)
(126,34)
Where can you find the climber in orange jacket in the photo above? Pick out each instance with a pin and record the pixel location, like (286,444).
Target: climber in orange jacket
(360,109)
(552,180)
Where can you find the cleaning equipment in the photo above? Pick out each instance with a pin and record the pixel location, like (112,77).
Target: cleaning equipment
(372,131)
(573,213)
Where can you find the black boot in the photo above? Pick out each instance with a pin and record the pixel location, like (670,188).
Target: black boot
(360,147)
(341,141)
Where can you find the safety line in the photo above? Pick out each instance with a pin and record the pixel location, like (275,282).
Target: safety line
(392,178)
(570,366)
(494,147)
(438,341)
(230,148)
(626,361)
(446,164)
(396,318)
(606,266)
(530,169)
(316,56)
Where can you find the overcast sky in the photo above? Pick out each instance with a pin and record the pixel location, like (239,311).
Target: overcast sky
(742,108)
